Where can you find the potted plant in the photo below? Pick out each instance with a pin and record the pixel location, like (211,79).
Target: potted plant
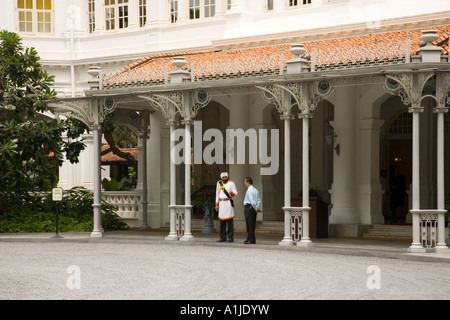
(206,202)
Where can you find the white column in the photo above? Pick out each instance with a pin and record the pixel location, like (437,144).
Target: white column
(6,17)
(173,201)
(440,110)
(144,137)
(370,192)
(133,14)
(99,16)
(239,119)
(87,174)
(278,5)
(305,240)
(187,183)
(238,5)
(157,13)
(344,163)
(97,205)
(219,8)
(155,212)
(183,9)
(287,240)
(416,244)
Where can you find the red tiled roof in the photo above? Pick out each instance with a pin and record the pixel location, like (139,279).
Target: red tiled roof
(108,156)
(210,64)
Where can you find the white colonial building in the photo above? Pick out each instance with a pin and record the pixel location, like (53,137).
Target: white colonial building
(349,88)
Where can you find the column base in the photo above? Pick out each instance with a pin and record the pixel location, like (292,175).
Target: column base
(286,242)
(416,248)
(441,247)
(305,243)
(96,234)
(171,237)
(187,237)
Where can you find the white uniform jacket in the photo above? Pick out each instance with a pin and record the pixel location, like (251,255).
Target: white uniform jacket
(226,211)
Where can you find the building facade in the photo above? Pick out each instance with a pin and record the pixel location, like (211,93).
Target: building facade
(343,104)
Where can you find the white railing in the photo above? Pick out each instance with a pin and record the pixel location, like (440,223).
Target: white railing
(297,226)
(429,228)
(128,203)
(360,55)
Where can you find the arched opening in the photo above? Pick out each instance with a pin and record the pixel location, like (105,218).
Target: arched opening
(396,158)
(205,175)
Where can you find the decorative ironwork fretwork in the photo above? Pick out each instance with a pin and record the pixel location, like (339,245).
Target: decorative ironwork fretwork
(296,219)
(79,109)
(108,105)
(408,86)
(428,229)
(296,225)
(319,90)
(284,97)
(200,99)
(167,104)
(442,88)
(343,57)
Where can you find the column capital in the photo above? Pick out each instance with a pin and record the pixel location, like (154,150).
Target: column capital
(172,123)
(305,115)
(440,110)
(287,117)
(415,109)
(187,121)
(95,127)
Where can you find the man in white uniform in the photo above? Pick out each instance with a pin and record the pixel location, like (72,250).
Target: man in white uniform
(225,191)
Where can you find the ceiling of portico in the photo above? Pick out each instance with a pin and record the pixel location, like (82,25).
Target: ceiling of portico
(336,54)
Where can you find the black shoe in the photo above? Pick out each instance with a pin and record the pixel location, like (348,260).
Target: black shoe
(221,240)
(230,240)
(249,242)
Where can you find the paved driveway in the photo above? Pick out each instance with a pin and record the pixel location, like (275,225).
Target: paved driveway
(72,270)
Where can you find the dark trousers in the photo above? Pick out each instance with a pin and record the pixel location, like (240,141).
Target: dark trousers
(250,221)
(223,229)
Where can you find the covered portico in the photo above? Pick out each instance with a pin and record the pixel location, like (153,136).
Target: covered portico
(172,91)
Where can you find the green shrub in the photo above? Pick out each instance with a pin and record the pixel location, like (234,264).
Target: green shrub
(76,214)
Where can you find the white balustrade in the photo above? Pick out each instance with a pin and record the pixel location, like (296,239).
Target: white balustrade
(296,221)
(429,228)
(128,203)
(179,212)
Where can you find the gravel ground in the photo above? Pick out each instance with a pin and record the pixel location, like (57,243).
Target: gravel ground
(33,270)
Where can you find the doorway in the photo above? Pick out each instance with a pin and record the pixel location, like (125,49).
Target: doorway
(398,168)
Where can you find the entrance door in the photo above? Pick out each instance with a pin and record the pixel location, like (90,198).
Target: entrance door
(399,175)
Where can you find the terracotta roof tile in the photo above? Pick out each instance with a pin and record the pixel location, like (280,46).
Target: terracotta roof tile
(109,157)
(387,47)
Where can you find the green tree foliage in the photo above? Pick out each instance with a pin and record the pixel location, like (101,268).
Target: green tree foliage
(29,133)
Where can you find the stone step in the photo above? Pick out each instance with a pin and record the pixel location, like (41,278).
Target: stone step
(265,227)
(276,227)
(389,231)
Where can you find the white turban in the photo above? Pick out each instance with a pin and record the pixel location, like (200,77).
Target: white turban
(223,174)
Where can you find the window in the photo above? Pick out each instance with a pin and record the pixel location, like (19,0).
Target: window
(269,5)
(194,9)
(199,9)
(35,16)
(142,12)
(91,15)
(173,7)
(116,14)
(402,124)
(210,8)
(296,3)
